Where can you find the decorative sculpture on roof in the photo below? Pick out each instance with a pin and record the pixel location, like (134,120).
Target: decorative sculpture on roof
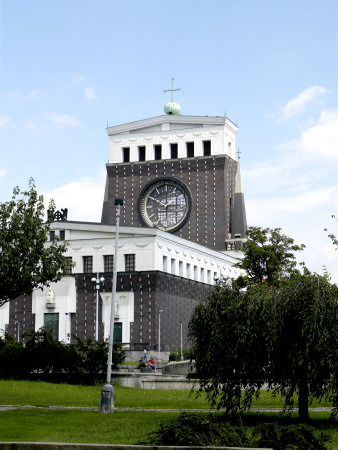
(57,216)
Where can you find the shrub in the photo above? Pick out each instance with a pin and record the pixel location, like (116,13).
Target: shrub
(84,362)
(176,356)
(11,358)
(200,430)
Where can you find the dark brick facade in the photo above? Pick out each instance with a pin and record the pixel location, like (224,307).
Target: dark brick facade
(210,180)
(176,296)
(20,310)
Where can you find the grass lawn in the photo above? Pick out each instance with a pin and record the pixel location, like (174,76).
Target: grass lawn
(122,427)
(38,393)
(41,425)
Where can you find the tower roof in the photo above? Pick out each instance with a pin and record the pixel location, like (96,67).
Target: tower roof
(238,187)
(239,224)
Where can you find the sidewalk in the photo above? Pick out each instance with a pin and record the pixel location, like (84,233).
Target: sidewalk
(92,408)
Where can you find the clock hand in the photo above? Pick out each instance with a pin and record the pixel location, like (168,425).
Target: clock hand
(158,201)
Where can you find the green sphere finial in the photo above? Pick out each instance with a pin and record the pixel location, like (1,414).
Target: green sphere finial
(172,108)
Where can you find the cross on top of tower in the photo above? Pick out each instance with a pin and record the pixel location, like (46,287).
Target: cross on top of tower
(172,89)
(238,153)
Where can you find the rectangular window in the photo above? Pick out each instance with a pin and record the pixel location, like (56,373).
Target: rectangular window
(173,266)
(126,154)
(209,276)
(69,269)
(202,274)
(180,268)
(51,323)
(142,153)
(190,149)
(62,235)
(195,273)
(188,270)
(173,151)
(88,264)
(165,264)
(158,151)
(51,235)
(129,261)
(108,261)
(206,148)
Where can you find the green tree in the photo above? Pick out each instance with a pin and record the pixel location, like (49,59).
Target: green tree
(268,255)
(332,236)
(43,353)
(303,355)
(11,358)
(92,356)
(280,331)
(26,263)
(284,338)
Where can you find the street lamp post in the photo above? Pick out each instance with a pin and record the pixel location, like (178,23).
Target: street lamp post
(17,321)
(66,326)
(159,363)
(181,340)
(107,393)
(96,282)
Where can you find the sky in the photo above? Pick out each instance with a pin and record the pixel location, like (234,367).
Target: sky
(70,67)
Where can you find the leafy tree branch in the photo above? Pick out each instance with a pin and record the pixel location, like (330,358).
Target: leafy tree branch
(26,263)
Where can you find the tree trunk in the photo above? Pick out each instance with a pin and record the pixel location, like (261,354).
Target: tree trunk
(303,400)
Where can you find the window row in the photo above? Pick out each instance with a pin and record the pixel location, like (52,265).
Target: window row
(62,235)
(188,270)
(157,151)
(108,263)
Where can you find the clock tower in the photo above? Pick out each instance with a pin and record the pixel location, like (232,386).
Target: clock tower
(177,173)
(183,213)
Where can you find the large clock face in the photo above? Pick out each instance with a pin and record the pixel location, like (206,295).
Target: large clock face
(165,204)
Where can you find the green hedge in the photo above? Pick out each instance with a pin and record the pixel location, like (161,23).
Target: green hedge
(43,358)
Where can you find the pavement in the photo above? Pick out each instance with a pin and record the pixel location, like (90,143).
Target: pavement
(89,408)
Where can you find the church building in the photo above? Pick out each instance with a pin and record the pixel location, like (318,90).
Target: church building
(181,225)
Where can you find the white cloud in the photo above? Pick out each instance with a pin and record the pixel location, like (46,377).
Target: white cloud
(30,125)
(62,119)
(317,145)
(3,173)
(82,198)
(78,78)
(32,95)
(322,138)
(15,95)
(5,121)
(302,217)
(90,93)
(313,201)
(299,104)
(296,189)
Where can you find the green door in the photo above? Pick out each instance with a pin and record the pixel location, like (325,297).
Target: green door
(51,323)
(118,332)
